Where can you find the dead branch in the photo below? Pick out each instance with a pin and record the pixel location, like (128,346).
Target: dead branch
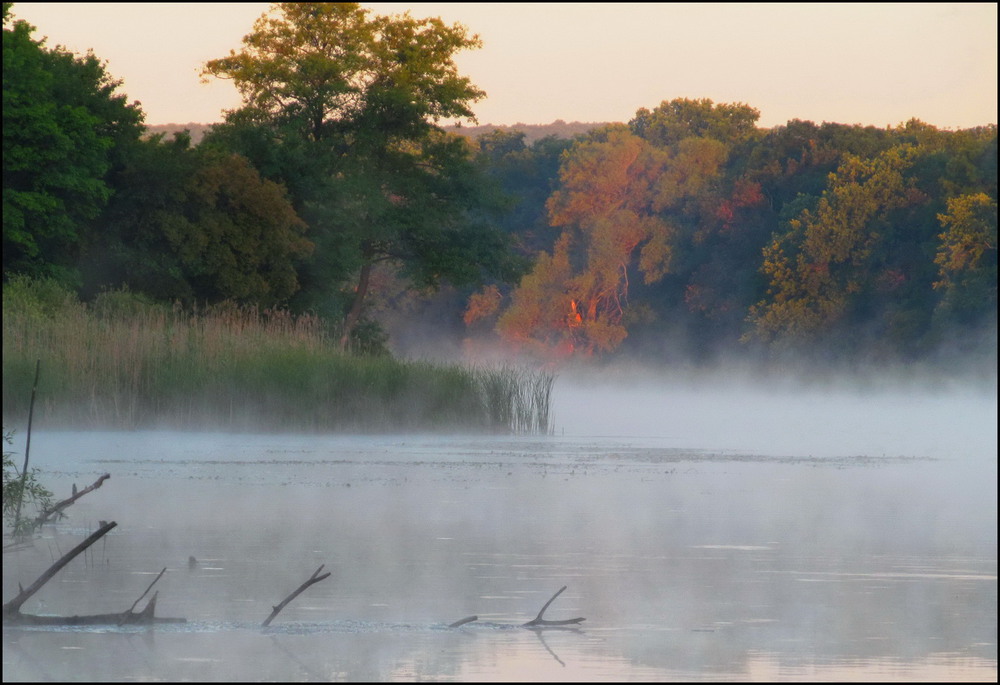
(312,580)
(58,507)
(127,614)
(539,621)
(12,609)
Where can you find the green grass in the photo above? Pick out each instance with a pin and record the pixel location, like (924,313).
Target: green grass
(125,363)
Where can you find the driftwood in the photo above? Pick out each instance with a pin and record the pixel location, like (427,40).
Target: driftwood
(57,508)
(152,602)
(537,622)
(313,579)
(12,609)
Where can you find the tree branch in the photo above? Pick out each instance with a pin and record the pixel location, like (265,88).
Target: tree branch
(13,607)
(539,621)
(312,580)
(58,507)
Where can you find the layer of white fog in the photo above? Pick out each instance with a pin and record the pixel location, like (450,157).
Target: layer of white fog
(713,526)
(870,415)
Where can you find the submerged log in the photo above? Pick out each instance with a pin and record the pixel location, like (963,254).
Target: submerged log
(125,618)
(313,579)
(462,622)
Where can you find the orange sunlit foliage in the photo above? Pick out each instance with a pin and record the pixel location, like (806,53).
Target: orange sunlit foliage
(574,300)
(482,305)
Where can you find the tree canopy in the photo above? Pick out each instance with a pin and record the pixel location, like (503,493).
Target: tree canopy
(64,123)
(687,232)
(342,107)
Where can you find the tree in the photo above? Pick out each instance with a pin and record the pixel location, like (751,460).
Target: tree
(63,122)
(354,101)
(673,121)
(609,188)
(196,224)
(823,265)
(967,256)
(19,489)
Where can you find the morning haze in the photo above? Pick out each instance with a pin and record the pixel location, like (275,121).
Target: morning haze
(675,360)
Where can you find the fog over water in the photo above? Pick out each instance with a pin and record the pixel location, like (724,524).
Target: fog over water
(706,527)
(779,416)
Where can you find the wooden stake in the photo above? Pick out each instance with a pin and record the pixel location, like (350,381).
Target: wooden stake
(27,445)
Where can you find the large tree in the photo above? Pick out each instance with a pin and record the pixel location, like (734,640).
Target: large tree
(196,225)
(342,106)
(827,267)
(63,123)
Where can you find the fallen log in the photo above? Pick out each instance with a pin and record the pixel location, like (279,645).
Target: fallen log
(12,610)
(125,618)
(313,579)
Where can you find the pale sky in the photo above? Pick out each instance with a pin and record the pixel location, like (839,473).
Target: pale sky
(868,63)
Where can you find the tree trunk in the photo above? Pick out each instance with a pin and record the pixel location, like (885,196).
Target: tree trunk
(351,320)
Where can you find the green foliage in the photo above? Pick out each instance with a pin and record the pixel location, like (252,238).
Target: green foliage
(676,120)
(20,494)
(824,263)
(967,257)
(341,107)
(62,125)
(196,224)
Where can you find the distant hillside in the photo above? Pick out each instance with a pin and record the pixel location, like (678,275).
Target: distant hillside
(533,132)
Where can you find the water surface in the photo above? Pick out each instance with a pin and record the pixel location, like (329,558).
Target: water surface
(793,557)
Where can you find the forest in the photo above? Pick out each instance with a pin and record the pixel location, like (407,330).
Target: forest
(688,234)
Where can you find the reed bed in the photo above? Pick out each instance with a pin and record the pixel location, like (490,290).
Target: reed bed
(124,363)
(516,399)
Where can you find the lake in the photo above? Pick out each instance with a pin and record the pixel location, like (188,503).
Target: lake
(704,531)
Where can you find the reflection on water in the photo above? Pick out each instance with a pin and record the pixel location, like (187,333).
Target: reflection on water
(687,563)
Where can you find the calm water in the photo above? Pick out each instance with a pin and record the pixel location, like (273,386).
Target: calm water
(706,536)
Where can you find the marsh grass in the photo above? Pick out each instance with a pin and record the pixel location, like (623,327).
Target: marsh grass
(516,399)
(125,363)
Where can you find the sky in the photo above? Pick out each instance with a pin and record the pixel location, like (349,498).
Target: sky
(868,63)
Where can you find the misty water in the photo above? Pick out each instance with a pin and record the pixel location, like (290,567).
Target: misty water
(706,531)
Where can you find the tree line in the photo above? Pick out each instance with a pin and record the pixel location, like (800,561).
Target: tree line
(687,232)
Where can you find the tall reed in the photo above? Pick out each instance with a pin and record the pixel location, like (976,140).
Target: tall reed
(516,398)
(122,362)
